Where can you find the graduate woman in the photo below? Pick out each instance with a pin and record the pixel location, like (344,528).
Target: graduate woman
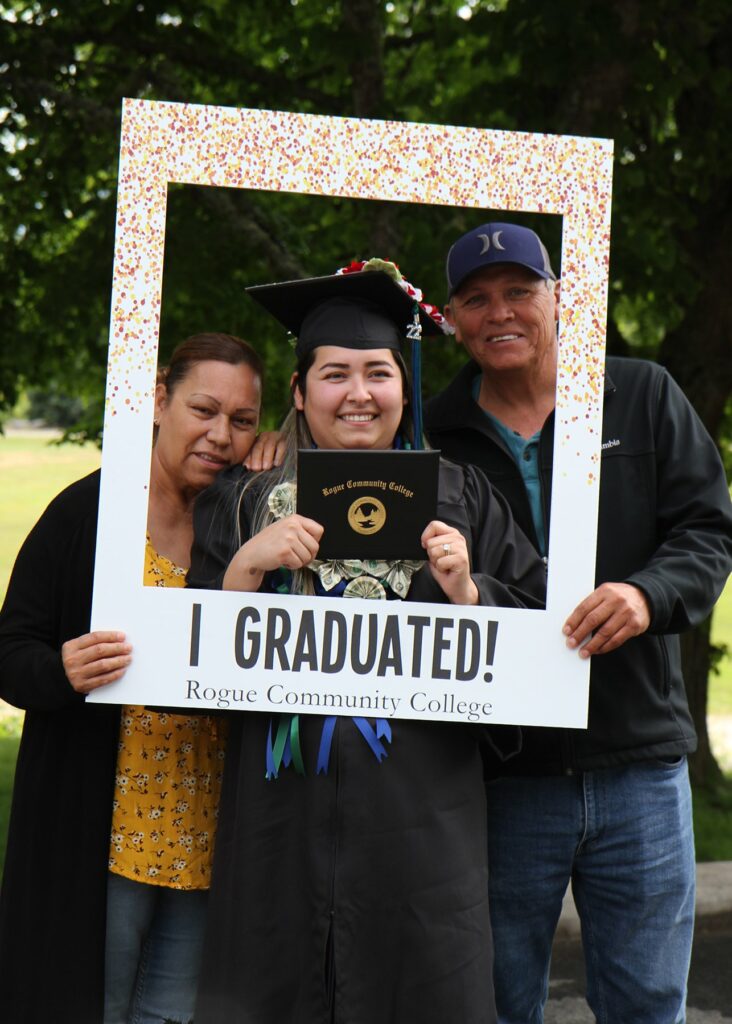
(350,877)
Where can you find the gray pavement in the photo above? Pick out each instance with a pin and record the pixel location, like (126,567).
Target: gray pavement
(710,979)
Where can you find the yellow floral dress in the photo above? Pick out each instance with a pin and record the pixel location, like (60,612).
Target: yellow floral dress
(169,770)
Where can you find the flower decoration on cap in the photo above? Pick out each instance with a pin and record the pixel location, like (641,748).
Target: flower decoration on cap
(392,269)
(414,330)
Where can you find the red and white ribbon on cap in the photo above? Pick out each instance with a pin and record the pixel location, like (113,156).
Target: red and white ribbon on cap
(387,267)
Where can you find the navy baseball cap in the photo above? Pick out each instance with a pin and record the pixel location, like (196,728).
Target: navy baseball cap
(496,243)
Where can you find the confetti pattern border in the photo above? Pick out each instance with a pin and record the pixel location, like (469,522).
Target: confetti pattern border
(352,158)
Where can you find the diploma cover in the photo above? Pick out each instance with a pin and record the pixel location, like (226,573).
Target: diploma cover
(372,504)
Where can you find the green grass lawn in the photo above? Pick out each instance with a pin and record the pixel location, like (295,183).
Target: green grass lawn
(10,725)
(713,811)
(33,471)
(720,684)
(713,824)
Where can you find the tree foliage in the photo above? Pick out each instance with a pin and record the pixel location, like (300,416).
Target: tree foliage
(654,75)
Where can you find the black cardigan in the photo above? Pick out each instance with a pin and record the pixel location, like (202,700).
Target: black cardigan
(53,898)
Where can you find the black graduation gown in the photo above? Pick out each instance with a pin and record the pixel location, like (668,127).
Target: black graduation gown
(361,895)
(53,898)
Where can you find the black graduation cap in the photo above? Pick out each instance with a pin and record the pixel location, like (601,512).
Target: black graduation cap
(363,310)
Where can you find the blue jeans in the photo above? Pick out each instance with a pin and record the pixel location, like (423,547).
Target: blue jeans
(623,838)
(153,952)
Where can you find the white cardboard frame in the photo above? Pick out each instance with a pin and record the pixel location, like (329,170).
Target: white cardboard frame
(524,673)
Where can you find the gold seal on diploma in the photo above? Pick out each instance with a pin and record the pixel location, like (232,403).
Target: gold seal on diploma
(366,515)
(337,489)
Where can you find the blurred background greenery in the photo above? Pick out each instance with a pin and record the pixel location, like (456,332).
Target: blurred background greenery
(653,75)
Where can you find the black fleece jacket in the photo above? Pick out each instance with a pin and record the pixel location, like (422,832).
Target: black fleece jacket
(665,526)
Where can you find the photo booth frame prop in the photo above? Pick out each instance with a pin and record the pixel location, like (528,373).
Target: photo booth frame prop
(201,649)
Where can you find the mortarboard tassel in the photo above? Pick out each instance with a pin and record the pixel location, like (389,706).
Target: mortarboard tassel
(414,334)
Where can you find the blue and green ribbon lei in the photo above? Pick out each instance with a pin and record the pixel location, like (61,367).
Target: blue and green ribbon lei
(283,740)
(373,734)
(284,748)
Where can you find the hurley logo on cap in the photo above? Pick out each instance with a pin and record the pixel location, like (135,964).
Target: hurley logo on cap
(494,239)
(496,243)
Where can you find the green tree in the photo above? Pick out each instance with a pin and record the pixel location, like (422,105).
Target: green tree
(655,76)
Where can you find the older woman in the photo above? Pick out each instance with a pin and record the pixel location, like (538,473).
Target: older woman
(358,892)
(135,793)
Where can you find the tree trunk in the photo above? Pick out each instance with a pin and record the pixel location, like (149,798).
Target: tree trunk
(363,25)
(697,356)
(695,654)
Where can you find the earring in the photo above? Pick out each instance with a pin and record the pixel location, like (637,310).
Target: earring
(156,422)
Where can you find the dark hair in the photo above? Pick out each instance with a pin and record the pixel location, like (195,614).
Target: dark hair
(406,424)
(214,347)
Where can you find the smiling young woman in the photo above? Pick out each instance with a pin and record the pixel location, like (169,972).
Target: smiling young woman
(352,399)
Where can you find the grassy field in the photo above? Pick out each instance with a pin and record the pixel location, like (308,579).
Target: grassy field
(10,724)
(713,825)
(720,684)
(33,471)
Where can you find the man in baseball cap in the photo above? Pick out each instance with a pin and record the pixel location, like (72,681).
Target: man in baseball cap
(496,243)
(606,809)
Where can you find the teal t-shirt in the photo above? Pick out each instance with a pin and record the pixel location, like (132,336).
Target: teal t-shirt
(525,453)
